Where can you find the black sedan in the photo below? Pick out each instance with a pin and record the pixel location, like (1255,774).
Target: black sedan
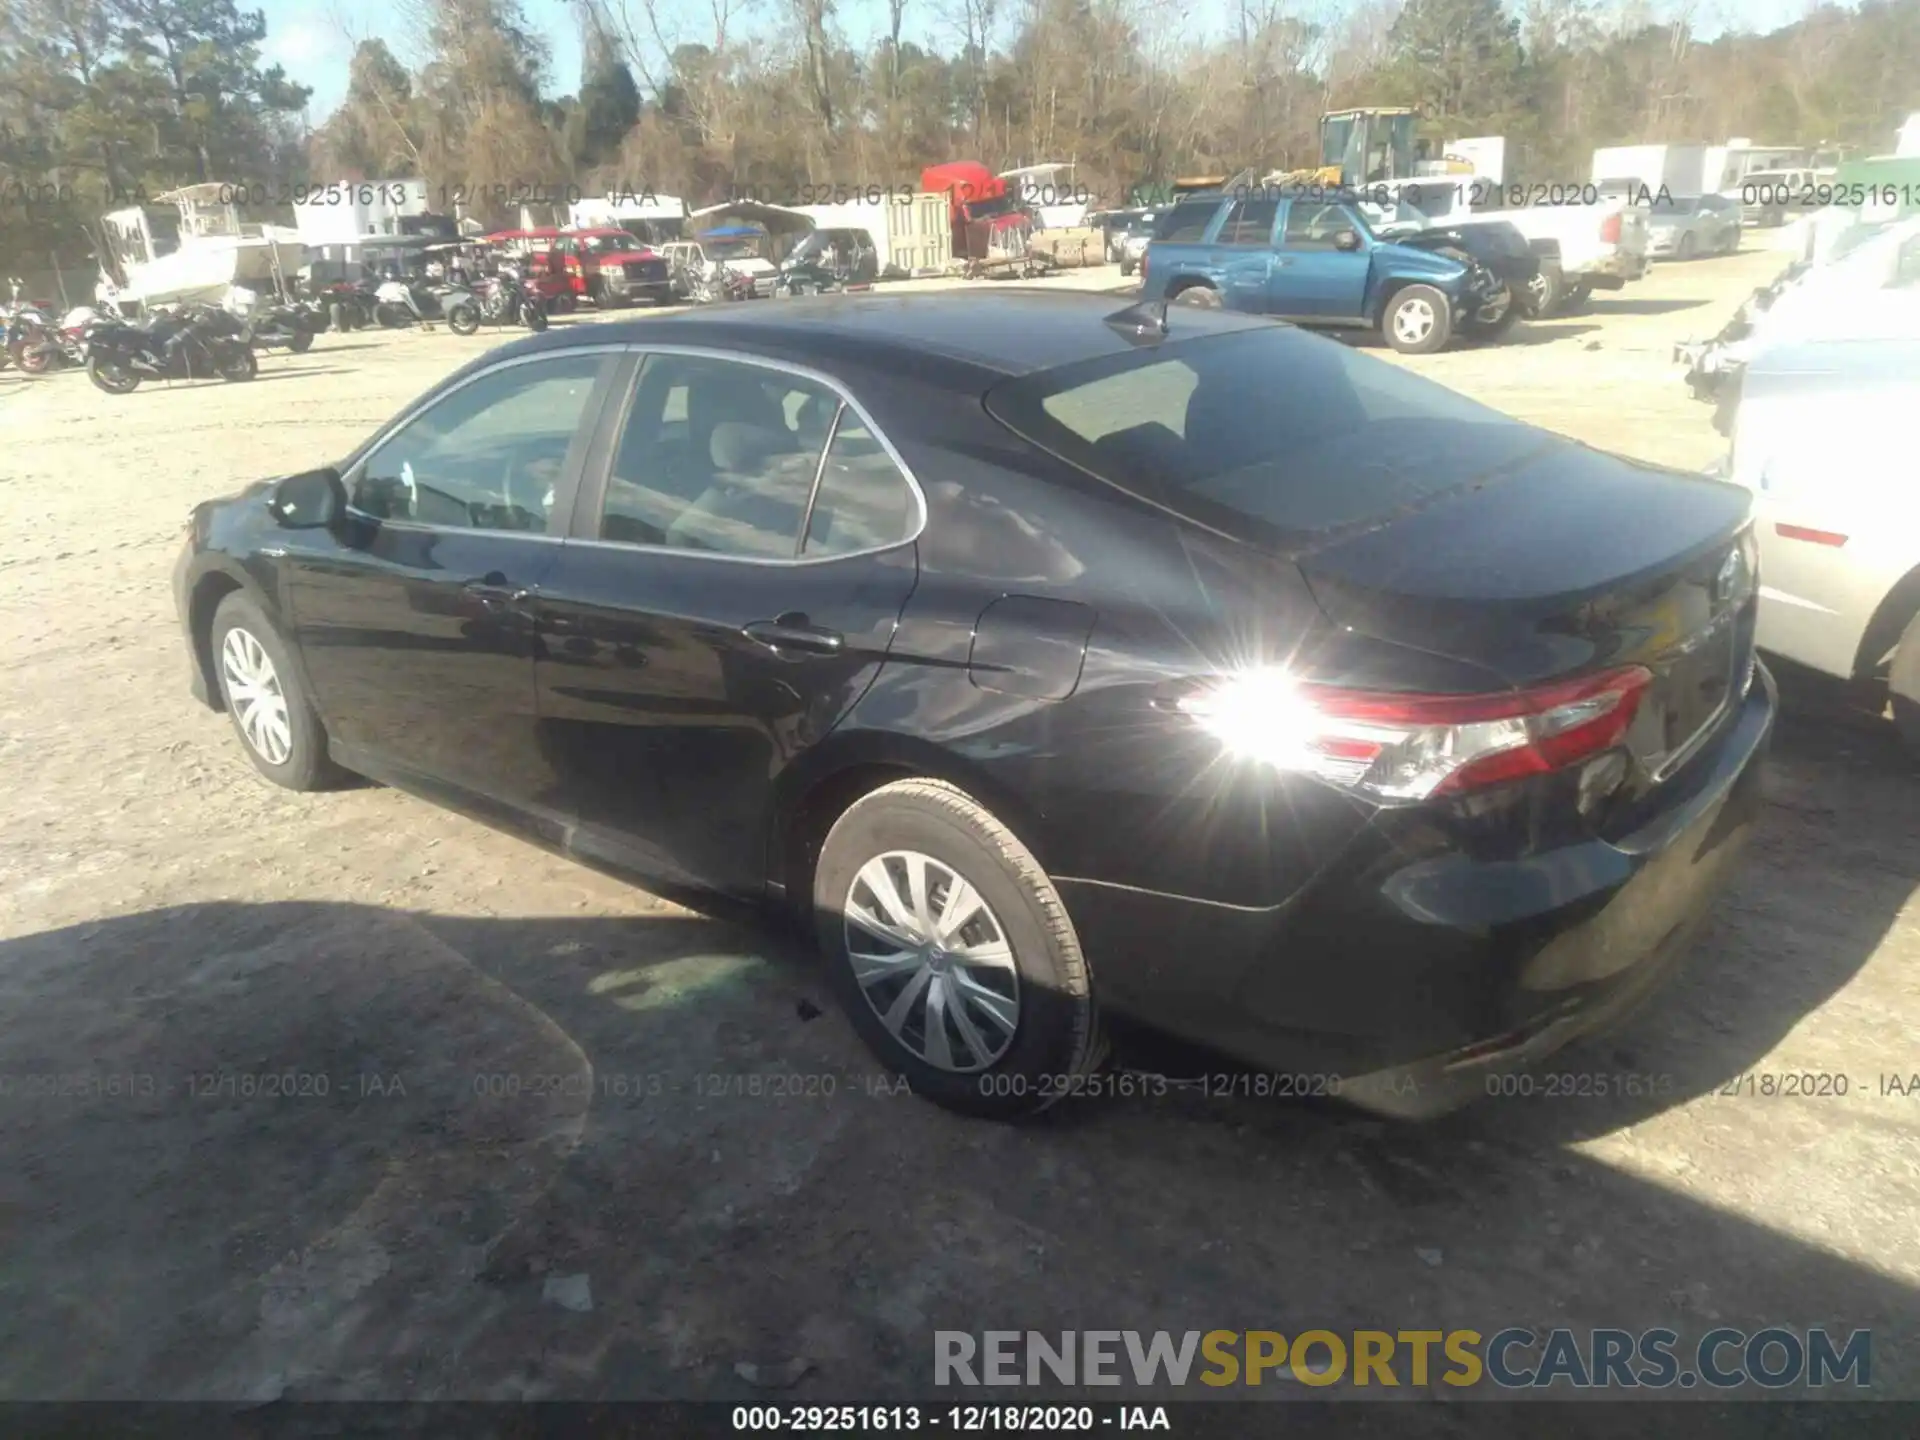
(1054,663)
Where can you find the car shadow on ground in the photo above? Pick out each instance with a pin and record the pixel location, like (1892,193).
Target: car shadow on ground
(317,1150)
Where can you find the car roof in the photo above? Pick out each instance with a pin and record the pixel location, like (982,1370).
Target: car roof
(996,333)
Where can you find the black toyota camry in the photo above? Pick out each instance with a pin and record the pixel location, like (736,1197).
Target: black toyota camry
(1055,662)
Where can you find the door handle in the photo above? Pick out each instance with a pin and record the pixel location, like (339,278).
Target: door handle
(491,594)
(794,634)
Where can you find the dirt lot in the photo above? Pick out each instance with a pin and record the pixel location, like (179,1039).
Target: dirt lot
(532,1073)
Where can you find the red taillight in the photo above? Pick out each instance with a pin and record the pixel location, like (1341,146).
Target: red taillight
(1610,229)
(1811,536)
(1417,747)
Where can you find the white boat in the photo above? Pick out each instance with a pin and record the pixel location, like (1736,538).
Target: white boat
(194,254)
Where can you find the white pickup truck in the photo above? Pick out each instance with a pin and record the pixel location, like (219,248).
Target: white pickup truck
(1591,242)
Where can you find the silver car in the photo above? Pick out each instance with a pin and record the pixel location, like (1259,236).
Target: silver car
(1680,229)
(1819,439)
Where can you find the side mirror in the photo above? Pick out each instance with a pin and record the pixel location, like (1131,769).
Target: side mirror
(311,500)
(1347,240)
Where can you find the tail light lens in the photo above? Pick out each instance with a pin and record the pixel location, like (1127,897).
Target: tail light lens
(1417,747)
(1610,229)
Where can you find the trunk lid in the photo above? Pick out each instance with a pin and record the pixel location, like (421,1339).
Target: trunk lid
(1568,561)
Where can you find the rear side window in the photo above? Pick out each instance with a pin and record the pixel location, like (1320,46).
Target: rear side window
(1186,224)
(1269,434)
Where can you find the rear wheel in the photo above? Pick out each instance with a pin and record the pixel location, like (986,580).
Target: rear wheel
(278,727)
(1126,266)
(240,365)
(390,316)
(1201,297)
(301,342)
(1685,249)
(112,376)
(534,316)
(952,952)
(35,357)
(1903,685)
(1418,320)
(463,319)
(1576,299)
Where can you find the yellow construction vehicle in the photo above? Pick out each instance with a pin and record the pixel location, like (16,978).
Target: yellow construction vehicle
(1370,145)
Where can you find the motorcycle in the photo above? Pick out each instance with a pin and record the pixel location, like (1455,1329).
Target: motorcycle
(37,343)
(191,344)
(508,298)
(398,303)
(276,325)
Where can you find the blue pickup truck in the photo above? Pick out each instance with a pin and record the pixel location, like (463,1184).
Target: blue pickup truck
(1315,260)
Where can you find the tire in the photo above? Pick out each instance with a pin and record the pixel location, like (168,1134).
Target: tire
(34,359)
(1686,249)
(1126,267)
(243,366)
(1544,292)
(301,342)
(597,293)
(534,316)
(1042,985)
(1575,300)
(1485,330)
(1733,242)
(463,319)
(292,754)
(112,379)
(1418,320)
(1903,686)
(390,317)
(1201,297)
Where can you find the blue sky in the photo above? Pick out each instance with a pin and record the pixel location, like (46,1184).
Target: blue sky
(313,39)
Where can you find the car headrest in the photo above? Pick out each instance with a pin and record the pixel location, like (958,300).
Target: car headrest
(744,449)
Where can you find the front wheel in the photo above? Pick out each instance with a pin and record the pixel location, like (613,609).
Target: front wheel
(301,342)
(1126,267)
(35,357)
(264,697)
(1903,685)
(112,376)
(952,952)
(463,319)
(1418,320)
(240,365)
(389,316)
(1685,249)
(1577,296)
(534,316)
(1544,292)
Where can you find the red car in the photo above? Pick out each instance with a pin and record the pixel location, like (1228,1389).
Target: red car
(614,267)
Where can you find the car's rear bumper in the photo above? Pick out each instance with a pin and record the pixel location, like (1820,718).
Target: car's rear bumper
(1409,974)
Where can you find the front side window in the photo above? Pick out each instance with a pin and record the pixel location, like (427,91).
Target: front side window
(717,456)
(1250,222)
(488,456)
(1313,226)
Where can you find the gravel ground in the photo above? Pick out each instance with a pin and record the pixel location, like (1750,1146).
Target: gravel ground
(478,1072)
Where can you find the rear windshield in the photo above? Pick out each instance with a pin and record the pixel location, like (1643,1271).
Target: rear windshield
(1270,434)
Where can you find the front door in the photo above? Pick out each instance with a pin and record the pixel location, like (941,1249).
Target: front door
(1317,280)
(740,559)
(416,628)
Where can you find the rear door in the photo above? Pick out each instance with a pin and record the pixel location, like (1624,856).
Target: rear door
(1313,279)
(1246,259)
(740,555)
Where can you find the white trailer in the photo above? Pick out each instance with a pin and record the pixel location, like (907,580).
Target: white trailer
(336,214)
(1680,170)
(1729,165)
(666,211)
(911,235)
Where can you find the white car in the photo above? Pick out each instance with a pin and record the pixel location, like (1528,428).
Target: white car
(1820,441)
